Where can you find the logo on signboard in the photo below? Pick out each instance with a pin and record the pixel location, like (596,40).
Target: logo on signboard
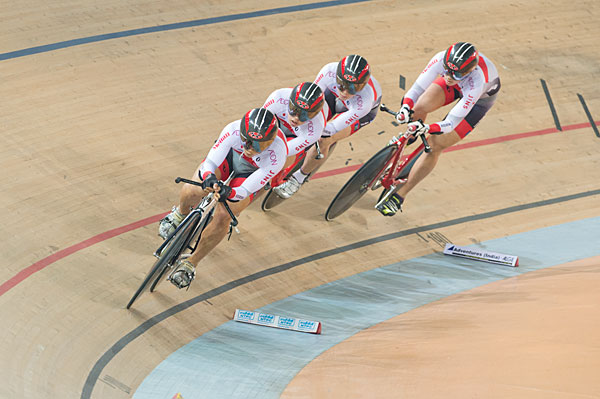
(245,315)
(286,322)
(266,318)
(306,325)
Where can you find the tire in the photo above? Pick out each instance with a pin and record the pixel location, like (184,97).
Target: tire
(359,183)
(167,257)
(174,251)
(270,201)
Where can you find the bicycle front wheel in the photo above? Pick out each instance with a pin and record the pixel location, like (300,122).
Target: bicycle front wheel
(360,182)
(179,243)
(167,257)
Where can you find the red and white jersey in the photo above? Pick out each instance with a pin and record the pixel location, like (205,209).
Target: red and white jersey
(358,106)
(307,133)
(265,165)
(479,84)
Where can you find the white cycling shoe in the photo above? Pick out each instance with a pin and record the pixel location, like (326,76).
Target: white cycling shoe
(169,223)
(288,188)
(184,274)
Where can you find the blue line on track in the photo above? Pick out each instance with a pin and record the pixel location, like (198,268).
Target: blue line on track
(180,25)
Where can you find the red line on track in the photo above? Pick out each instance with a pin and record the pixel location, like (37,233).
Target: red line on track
(41,264)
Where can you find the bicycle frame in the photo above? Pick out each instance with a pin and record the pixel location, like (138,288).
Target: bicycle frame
(206,204)
(390,177)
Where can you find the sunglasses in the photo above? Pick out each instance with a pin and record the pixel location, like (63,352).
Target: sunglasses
(300,113)
(257,146)
(350,88)
(456,75)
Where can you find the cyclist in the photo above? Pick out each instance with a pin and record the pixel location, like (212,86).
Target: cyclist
(255,150)
(302,114)
(459,72)
(353,97)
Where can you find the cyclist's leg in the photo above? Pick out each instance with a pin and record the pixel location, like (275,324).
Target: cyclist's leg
(435,96)
(189,196)
(425,164)
(427,161)
(211,236)
(217,229)
(311,162)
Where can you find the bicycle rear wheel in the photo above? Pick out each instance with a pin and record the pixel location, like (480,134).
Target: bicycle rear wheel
(270,201)
(168,255)
(359,183)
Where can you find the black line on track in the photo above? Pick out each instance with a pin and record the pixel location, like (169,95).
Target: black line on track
(551,104)
(589,115)
(97,369)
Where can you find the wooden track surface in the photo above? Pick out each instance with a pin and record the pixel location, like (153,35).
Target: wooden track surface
(93,135)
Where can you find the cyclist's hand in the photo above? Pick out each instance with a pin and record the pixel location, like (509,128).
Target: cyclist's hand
(211,183)
(403,116)
(417,128)
(224,193)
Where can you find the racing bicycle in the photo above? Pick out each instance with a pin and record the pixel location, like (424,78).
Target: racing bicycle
(388,168)
(181,242)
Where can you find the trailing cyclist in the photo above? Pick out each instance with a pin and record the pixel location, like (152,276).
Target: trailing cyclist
(459,72)
(353,97)
(255,150)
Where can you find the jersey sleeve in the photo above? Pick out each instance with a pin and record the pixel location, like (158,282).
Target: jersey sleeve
(433,69)
(326,76)
(271,162)
(358,106)
(308,133)
(218,152)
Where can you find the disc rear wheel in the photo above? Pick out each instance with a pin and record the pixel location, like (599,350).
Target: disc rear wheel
(360,182)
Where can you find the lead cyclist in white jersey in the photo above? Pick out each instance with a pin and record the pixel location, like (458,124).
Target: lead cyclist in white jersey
(255,150)
(353,97)
(462,73)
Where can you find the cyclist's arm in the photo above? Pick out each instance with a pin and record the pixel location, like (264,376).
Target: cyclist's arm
(358,106)
(219,150)
(307,134)
(269,165)
(460,110)
(326,76)
(433,69)
(277,101)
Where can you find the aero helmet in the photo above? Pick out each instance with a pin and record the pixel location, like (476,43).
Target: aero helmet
(306,101)
(352,73)
(459,59)
(258,126)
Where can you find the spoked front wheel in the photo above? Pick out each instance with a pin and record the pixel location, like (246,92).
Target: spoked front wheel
(360,182)
(168,256)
